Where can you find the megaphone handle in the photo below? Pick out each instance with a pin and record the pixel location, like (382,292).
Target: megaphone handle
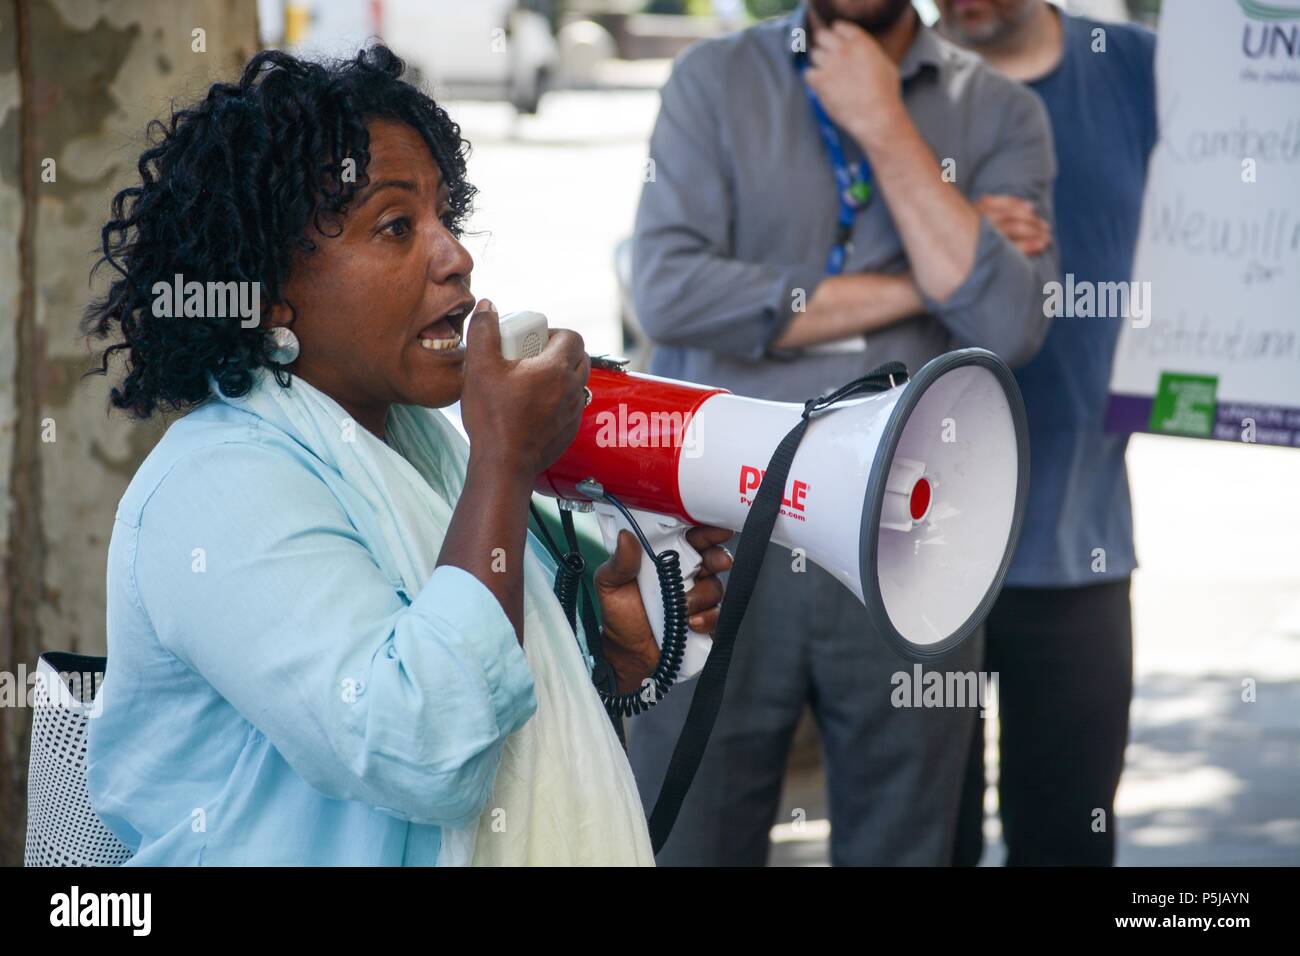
(663,533)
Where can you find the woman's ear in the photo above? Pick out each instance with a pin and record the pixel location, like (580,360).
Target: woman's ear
(280,314)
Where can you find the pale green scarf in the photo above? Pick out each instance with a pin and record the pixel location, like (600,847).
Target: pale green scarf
(564,793)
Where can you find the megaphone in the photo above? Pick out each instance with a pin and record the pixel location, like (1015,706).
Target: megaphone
(912,497)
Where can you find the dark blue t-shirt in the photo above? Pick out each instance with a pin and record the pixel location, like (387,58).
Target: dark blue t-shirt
(1103,112)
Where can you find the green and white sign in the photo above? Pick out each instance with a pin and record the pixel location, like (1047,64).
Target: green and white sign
(1218,353)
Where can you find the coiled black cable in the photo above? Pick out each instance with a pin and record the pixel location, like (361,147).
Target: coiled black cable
(654,688)
(672,591)
(568,581)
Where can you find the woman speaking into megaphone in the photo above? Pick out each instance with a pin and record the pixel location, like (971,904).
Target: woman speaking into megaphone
(331,639)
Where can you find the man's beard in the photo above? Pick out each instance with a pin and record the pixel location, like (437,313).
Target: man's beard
(877,22)
(996,31)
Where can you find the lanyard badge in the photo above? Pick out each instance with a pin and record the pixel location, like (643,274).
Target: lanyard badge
(852,180)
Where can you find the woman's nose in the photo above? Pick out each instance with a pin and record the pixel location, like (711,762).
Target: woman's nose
(449,260)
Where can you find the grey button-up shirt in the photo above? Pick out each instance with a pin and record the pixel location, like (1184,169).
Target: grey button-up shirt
(741,210)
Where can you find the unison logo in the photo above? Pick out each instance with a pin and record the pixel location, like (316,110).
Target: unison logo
(1258,10)
(103,909)
(1268,37)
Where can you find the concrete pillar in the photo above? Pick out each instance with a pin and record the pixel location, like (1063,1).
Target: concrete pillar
(79,79)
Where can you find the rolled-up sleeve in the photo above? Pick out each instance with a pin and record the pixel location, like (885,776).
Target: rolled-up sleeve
(688,289)
(999,306)
(254,576)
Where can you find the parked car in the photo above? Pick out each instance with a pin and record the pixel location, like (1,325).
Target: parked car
(488,49)
(464,49)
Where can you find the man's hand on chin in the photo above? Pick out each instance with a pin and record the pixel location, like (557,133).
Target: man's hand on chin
(856,82)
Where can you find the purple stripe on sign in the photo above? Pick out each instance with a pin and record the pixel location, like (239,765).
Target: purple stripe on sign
(1128,413)
(1260,424)
(1244,422)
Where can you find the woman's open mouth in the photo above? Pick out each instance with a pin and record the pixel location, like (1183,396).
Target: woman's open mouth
(443,335)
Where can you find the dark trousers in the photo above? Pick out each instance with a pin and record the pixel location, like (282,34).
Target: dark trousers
(893,775)
(1064,659)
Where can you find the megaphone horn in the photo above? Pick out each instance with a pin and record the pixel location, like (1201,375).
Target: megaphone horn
(912,497)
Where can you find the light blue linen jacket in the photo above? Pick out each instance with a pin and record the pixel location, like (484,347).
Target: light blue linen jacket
(273,695)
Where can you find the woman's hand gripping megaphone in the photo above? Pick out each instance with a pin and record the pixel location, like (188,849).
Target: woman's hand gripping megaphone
(518,352)
(523,412)
(628,607)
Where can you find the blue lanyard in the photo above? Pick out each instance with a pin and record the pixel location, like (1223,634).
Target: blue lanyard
(852,180)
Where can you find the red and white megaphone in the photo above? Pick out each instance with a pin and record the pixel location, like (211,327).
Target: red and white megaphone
(912,497)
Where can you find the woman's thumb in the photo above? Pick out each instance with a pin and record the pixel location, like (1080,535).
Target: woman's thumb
(483,335)
(623,564)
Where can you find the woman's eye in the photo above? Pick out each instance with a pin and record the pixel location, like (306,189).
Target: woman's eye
(398,227)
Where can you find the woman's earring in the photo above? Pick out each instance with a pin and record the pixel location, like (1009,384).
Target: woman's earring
(283,347)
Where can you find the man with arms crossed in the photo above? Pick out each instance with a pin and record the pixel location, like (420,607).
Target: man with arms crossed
(815,211)
(1060,636)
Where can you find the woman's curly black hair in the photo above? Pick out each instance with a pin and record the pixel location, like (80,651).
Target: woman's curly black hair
(227,191)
